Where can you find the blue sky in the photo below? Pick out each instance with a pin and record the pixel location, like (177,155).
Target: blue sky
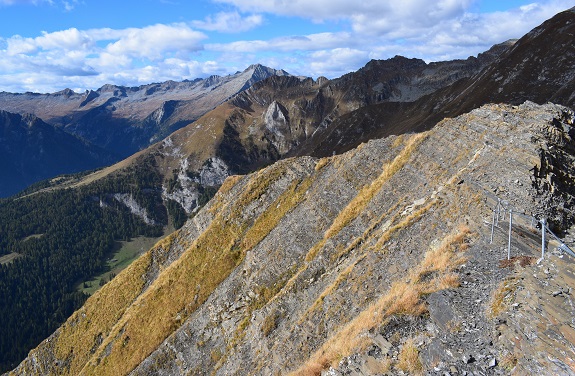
(49,45)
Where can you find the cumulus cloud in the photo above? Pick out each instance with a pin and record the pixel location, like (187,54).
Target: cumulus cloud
(229,22)
(336,61)
(439,30)
(154,41)
(102,54)
(355,32)
(365,16)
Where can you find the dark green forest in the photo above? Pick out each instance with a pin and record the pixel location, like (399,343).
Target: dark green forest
(64,237)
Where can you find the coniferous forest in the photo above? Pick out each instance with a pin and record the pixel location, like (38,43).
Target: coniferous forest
(64,237)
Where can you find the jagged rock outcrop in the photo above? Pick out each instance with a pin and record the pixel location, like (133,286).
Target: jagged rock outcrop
(312,261)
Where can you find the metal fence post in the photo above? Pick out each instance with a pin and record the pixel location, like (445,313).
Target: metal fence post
(543,231)
(509,240)
(493,225)
(498,211)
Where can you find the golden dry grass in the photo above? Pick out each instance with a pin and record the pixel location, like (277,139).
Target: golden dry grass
(121,325)
(403,298)
(99,314)
(358,204)
(360,201)
(322,163)
(275,212)
(409,359)
(501,297)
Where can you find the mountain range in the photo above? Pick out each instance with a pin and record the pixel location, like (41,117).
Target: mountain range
(116,120)
(362,242)
(32,150)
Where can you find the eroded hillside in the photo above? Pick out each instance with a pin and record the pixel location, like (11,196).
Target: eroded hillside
(318,263)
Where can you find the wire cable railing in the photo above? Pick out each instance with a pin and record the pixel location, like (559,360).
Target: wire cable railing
(499,213)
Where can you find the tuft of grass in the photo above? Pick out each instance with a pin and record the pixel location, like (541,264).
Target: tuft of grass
(322,163)
(409,358)
(502,297)
(216,355)
(271,322)
(445,257)
(275,212)
(509,361)
(399,140)
(405,300)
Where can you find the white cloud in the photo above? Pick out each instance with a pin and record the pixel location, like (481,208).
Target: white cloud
(336,62)
(310,42)
(365,16)
(66,40)
(356,32)
(432,31)
(229,22)
(104,55)
(153,42)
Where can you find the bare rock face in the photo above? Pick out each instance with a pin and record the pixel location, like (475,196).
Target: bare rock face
(276,121)
(377,260)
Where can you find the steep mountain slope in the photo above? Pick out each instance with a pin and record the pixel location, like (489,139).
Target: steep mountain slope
(309,262)
(31,150)
(124,120)
(539,67)
(288,116)
(274,117)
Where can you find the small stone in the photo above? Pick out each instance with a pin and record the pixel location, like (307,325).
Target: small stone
(492,362)
(467,359)
(453,369)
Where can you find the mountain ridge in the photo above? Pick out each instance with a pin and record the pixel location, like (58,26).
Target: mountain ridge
(138,111)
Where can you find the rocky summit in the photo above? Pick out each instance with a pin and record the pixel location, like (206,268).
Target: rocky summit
(376,261)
